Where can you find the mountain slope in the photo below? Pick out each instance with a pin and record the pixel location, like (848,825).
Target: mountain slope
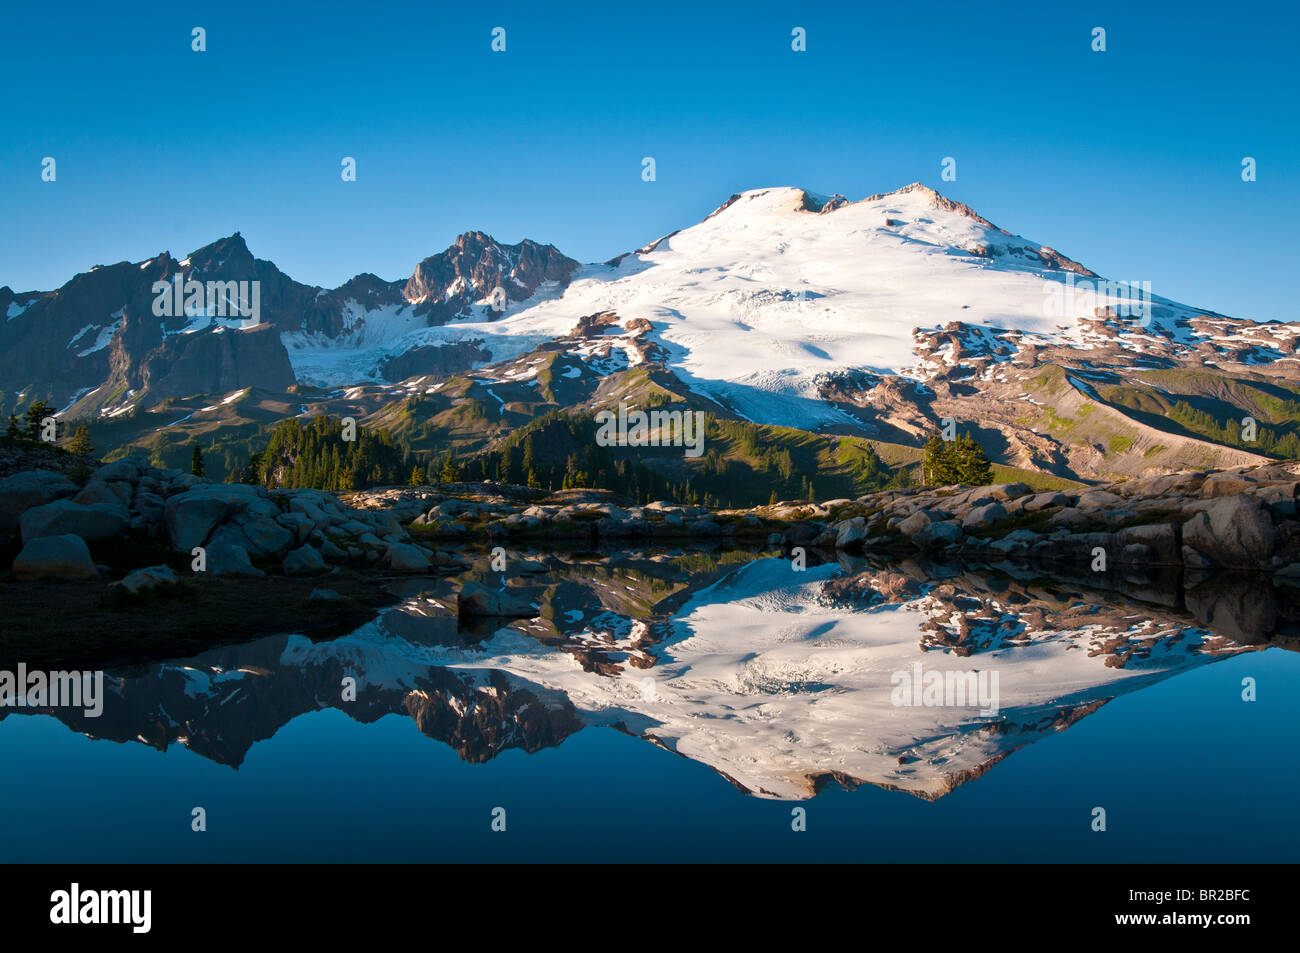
(873,319)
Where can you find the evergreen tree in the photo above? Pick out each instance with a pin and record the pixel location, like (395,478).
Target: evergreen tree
(450,472)
(80,444)
(417,476)
(972,463)
(196,462)
(36,412)
(14,432)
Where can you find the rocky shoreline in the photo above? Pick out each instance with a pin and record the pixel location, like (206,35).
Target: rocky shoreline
(1241,519)
(132,529)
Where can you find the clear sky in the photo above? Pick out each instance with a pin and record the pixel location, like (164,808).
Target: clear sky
(1128,161)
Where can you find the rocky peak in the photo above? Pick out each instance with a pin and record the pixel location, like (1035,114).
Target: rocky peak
(229,257)
(475,264)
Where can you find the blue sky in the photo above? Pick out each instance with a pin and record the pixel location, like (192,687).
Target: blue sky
(1127,160)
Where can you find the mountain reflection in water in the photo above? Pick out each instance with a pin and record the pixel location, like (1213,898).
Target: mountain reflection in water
(780,680)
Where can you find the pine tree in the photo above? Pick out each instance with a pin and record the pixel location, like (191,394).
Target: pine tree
(36,412)
(450,472)
(196,462)
(14,432)
(80,444)
(973,464)
(417,476)
(937,468)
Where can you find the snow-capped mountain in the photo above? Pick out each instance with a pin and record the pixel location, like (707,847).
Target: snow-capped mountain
(874,318)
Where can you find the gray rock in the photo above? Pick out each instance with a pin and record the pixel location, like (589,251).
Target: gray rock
(265,536)
(937,535)
(1279,497)
(192,515)
(1046,501)
(55,557)
(1071,517)
(914,523)
(91,523)
(225,559)
(1099,499)
(128,469)
(29,488)
(851,533)
(1235,532)
(97,491)
(1159,538)
(299,524)
(1137,554)
(304,561)
(143,580)
(982,517)
(1014,543)
(1008,491)
(403,557)
(331,552)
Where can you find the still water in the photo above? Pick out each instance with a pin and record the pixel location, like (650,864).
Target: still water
(681,705)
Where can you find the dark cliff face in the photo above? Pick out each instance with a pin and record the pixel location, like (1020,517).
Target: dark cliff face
(97,339)
(216,363)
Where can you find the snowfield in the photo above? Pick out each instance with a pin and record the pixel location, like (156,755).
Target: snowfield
(762,292)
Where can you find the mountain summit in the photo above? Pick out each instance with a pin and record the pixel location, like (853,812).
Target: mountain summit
(874,317)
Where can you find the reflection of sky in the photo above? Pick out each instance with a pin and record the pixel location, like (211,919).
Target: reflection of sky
(1172,764)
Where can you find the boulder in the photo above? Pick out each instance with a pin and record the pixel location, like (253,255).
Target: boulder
(914,523)
(982,517)
(1099,499)
(29,488)
(938,535)
(265,536)
(128,470)
(1008,491)
(1015,543)
(1160,539)
(193,514)
(1228,483)
(301,525)
(1236,532)
(97,491)
(143,580)
(1046,501)
(851,533)
(95,522)
(329,551)
(403,557)
(226,559)
(55,557)
(1288,575)
(304,561)
(1279,497)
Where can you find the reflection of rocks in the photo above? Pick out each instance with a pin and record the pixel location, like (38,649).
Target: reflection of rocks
(780,680)
(221,703)
(1241,607)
